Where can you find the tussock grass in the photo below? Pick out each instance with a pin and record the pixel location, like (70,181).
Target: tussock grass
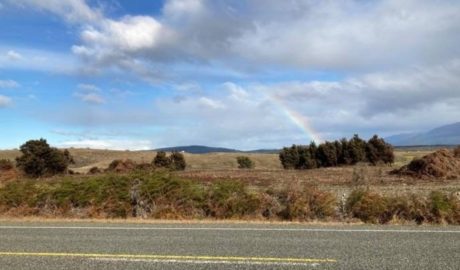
(161,195)
(372,207)
(164,195)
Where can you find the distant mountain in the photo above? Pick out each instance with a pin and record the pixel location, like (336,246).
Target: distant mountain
(444,135)
(264,151)
(201,149)
(198,149)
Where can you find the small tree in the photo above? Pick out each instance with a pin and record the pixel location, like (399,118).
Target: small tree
(38,159)
(357,149)
(377,150)
(161,160)
(289,157)
(327,154)
(177,161)
(244,162)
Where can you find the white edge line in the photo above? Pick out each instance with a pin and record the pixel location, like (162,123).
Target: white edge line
(204,262)
(226,229)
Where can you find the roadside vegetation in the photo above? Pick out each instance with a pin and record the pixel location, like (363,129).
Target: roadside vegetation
(44,186)
(163,195)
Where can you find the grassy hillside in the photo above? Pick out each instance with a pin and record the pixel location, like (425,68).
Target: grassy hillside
(87,158)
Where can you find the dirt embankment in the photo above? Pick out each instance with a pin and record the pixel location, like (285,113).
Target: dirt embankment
(7,171)
(442,164)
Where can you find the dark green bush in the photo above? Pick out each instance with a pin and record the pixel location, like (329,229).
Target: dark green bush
(39,159)
(177,161)
(161,160)
(377,150)
(244,162)
(343,152)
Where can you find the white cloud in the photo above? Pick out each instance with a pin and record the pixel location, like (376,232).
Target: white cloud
(306,35)
(38,60)
(210,103)
(91,98)
(131,33)
(399,59)
(89,93)
(8,84)
(5,101)
(13,55)
(73,11)
(109,144)
(88,87)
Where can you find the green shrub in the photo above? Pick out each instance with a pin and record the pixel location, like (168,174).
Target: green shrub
(306,203)
(177,161)
(161,160)
(378,151)
(244,162)
(230,198)
(290,157)
(368,206)
(38,159)
(444,208)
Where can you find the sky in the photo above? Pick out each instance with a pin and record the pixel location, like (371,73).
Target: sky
(246,74)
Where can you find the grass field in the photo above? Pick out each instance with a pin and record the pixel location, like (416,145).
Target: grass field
(269,173)
(87,158)
(203,176)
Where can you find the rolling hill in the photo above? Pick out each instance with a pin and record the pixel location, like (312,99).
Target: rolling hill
(198,149)
(444,135)
(201,149)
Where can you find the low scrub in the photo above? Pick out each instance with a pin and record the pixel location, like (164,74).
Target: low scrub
(244,162)
(371,207)
(105,196)
(307,203)
(368,206)
(160,195)
(164,195)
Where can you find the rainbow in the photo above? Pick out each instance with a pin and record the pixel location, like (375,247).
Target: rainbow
(298,119)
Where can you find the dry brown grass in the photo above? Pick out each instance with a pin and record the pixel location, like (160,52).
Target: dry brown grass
(87,158)
(268,171)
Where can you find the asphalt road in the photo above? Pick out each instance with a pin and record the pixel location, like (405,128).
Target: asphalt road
(69,246)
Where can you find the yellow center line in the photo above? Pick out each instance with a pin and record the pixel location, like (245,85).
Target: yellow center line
(171,257)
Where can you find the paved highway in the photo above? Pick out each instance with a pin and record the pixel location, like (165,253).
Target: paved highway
(79,245)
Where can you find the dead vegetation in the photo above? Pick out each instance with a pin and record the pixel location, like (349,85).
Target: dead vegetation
(212,187)
(162,195)
(442,164)
(7,170)
(121,166)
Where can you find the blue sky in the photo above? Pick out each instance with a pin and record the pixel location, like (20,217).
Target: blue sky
(240,74)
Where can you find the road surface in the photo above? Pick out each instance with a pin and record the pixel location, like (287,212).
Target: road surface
(79,245)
